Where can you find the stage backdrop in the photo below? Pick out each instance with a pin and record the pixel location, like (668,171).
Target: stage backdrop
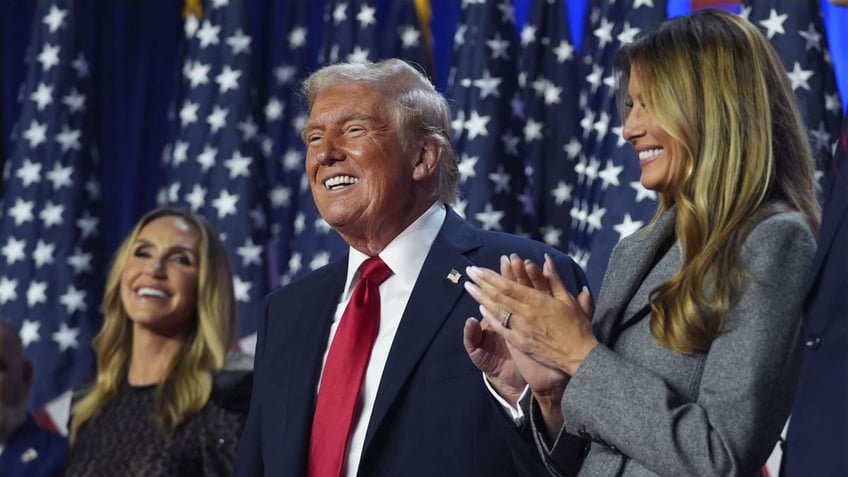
(109,108)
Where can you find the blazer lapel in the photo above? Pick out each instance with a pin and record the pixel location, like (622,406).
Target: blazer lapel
(302,353)
(433,298)
(634,260)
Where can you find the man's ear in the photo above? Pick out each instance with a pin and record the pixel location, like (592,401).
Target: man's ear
(429,152)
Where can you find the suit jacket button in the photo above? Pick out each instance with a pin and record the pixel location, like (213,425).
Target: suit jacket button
(813,342)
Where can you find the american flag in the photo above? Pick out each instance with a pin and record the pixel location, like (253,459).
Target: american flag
(487,110)
(354,30)
(359,30)
(796,30)
(609,201)
(214,164)
(52,262)
(551,130)
(292,55)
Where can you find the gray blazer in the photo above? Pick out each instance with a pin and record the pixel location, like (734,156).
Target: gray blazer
(648,410)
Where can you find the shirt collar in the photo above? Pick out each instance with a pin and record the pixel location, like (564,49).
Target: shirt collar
(406,253)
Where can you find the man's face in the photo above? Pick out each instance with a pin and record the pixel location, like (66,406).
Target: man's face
(361,176)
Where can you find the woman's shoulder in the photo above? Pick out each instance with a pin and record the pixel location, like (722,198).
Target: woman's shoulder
(783,241)
(781,229)
(788,219)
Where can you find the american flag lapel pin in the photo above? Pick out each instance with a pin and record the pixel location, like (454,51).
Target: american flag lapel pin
(454,276)
(29,455)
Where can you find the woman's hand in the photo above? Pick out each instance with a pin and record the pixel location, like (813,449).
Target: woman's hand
(546,322)
(508,370)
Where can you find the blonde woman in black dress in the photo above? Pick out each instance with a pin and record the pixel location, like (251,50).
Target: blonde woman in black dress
(162,404)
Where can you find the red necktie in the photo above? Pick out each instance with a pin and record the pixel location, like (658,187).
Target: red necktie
(344,370)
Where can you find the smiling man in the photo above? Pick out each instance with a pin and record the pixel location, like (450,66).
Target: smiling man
(360,366)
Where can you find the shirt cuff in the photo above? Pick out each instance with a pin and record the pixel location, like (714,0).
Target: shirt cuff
(515,413)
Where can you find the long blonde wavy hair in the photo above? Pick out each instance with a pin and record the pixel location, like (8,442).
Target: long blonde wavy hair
(714,83)
(187,384)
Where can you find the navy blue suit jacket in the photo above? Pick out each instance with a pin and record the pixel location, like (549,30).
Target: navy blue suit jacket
(433,416)
(817,439)
(33,452)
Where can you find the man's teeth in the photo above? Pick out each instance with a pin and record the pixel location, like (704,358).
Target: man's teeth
(146,291)
(337,182)
(649,153)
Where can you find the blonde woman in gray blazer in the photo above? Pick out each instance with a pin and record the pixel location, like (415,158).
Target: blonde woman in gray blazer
(689,363)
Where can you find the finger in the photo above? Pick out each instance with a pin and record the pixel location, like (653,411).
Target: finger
(489,306)
(494,285)
(506,268)
(472,335)
(558,290)
(491,320)
(499,295)
(537,278)
(518,269)
(585,301)
(484,324)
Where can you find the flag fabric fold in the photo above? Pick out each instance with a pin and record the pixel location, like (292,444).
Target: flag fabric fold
(52,257)
(291,56)
(609,201)
(214,165)
(796,30)
(487,115)
(551,132)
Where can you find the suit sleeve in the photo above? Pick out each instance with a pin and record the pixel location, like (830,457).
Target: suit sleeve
(746,387)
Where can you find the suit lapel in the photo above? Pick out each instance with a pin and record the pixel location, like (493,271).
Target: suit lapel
(310,318)
(433,298)
(634,260)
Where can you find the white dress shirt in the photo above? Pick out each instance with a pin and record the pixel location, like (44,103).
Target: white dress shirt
(405,255)
(516,412)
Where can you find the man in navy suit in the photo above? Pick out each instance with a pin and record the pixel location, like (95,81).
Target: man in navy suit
(25,448)
(383,174)
(817,438)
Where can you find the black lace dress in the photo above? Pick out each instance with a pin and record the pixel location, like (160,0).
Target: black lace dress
(123,440)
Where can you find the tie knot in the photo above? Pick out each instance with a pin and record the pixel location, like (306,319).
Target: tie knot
(375,270)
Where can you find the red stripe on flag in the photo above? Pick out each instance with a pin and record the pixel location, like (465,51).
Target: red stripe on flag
(43,419)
